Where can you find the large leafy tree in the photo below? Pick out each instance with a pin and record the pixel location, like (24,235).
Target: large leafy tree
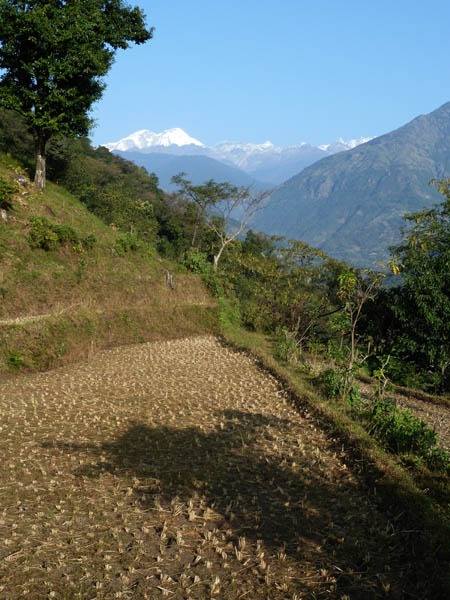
(423,304)
(53,56)
(411,322)
(233,214)
(223,207)
(200,198)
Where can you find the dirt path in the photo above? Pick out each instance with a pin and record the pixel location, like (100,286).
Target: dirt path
(178,470)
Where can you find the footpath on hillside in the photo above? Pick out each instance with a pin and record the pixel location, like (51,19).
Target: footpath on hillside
(178,469)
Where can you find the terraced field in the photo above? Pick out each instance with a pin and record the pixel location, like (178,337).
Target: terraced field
(179,470)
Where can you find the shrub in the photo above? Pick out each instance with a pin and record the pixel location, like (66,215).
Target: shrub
(197,261)
(66,234)
(89,242)
(336,384)
(286,347)
(42,234)
(127,242)
(15,360)
(332,383)
(256,316)
(7,191)
(400,429)
(48,236)
(228,312)
(402,432)
(353,396)
(439,459)
(81,269)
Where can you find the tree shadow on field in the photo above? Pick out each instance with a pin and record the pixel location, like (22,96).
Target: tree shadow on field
(257,493)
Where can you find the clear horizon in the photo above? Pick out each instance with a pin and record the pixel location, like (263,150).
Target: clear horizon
(287,72)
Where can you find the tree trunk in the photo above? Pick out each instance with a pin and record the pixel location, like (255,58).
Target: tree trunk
(217,257)
(39,175)
(194,235)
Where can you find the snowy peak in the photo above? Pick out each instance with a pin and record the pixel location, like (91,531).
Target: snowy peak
(341,145)
(145,139)
(244,146)
(264,161)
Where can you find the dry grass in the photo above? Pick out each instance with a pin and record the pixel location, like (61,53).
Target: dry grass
(36,282)
(46,343)
(178,470)
(60,306)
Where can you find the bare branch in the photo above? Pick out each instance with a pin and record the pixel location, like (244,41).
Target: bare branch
(240,206)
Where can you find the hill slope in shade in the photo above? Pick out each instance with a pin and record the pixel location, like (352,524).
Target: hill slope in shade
(351,204)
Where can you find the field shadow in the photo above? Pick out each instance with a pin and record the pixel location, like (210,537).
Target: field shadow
(256,493)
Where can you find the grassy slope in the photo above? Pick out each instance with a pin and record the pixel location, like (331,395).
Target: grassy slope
(95,299)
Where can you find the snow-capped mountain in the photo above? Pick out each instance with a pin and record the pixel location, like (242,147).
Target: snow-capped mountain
(248,156)
(240,153)
(265,162)
(145,139)
(340,145)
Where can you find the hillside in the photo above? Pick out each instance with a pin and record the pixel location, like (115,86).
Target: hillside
(85,287)
(351,204)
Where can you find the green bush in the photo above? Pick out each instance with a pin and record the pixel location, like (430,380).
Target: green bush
(42,234)
(400,431)
(81,269)
(66,234)
(15,360)
(332,383)
(353,397)
(197,261)
(286,347)
(7,191)
(228,312)
(439,459)
(127,242)
(89,242)
(48,236)
(256,316)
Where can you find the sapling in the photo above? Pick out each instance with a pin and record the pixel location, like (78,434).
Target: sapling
(354,292)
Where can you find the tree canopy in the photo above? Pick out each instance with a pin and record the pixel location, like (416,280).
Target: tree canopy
(425,306)
(202,197)
(53,55)
(410,323)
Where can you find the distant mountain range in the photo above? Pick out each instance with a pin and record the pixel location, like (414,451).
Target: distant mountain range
(347,198)
(198,169)
(263,165)
(351,204)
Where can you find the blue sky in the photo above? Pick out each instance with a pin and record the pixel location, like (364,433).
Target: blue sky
(285,71)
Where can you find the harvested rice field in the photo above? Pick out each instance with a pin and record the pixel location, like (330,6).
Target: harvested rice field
(179,470)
